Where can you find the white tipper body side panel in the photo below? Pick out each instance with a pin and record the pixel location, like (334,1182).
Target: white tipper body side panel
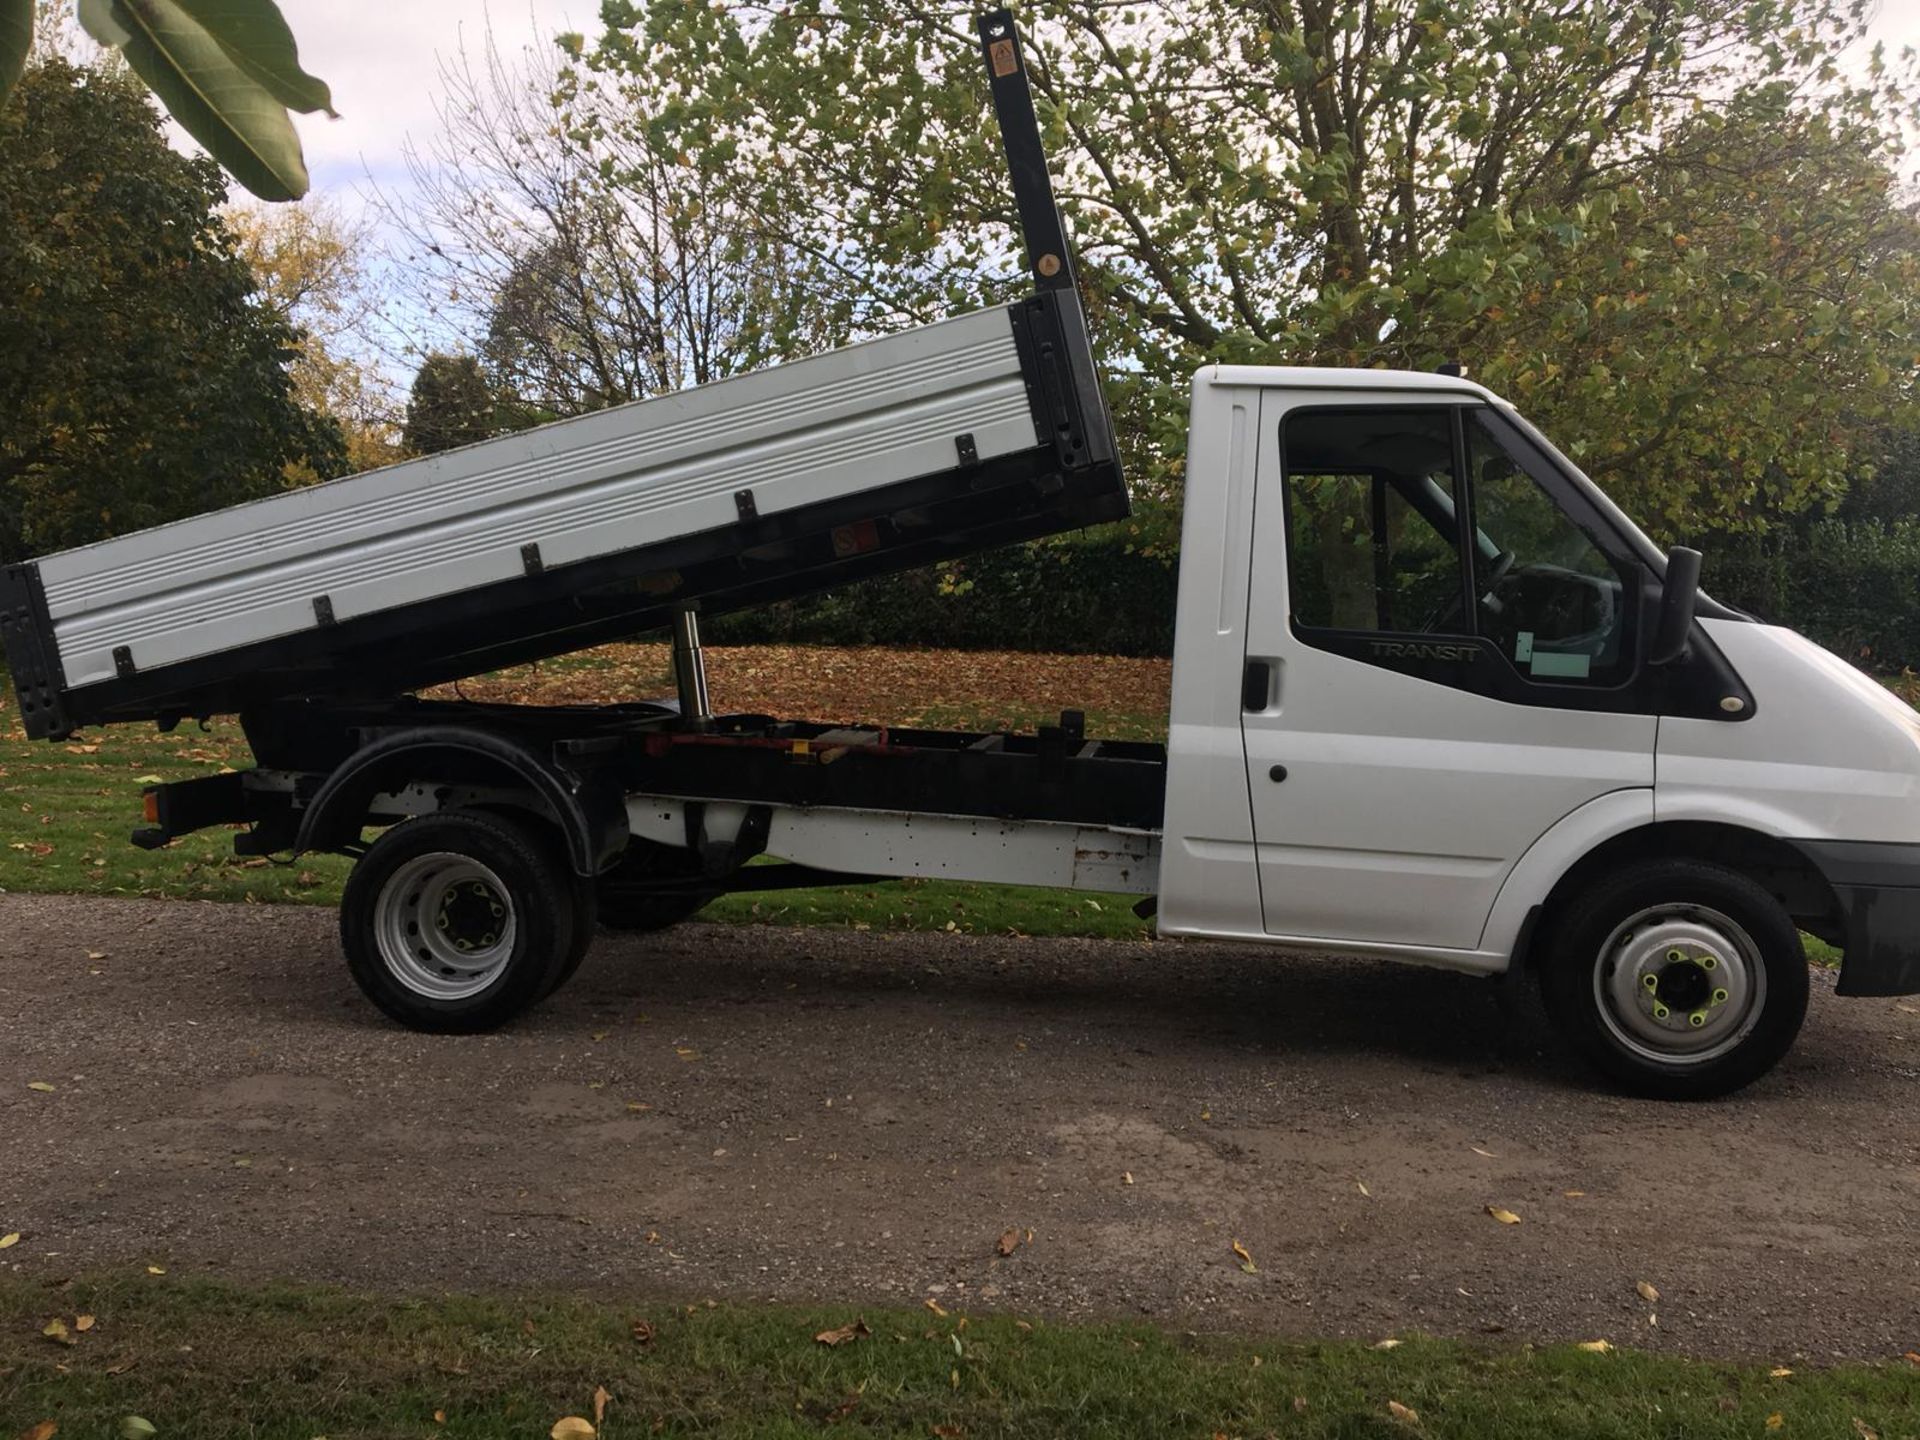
(1827,755)
(833,425)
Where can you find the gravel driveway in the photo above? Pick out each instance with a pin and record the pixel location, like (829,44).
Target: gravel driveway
(795,1114)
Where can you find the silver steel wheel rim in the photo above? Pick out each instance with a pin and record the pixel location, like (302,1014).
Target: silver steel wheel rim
(445,926)
(1680,984)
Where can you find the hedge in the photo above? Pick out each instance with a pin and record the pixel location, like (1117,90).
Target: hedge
(1094,593)
(1853,586)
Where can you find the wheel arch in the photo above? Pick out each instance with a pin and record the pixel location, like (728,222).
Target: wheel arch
(1777,865)
(588,808)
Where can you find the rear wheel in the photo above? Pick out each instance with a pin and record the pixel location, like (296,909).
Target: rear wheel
(1679,979)
(629,895)
(457,922)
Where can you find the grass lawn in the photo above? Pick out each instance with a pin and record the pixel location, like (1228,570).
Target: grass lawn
(208,1360)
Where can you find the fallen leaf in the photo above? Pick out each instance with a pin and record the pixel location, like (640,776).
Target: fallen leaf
(1126,1177)
(1246,1258)
(847,1334)
(845,1408)
(686,1052)
(644,1332)
(949,1432)
(149,780)
(1488,1153)
(934,1305)
(1505,1217)
(1779,1372)
(42,1086)
(439,1417)
(1388,1344)
(45,1430)
(572,1427)
(96,954)
(1598,1347)
(1574,1194)
(1029,1235)
(7,1242)
(1405,1414)
(1647,1292)
(136,1427)
(83,1322)
(600,1399)
(1864,1430)
(1361,1186)
(1776,1420)
(1299,1404)
(156,1269)
(121,1367)
(56,1331)
(1008,1240)
(1913,1357)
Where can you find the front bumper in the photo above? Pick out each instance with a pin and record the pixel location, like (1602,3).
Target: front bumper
(1878,887)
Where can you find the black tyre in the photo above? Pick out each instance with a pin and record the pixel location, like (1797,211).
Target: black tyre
(1679,979)
(628,894)
(456,923)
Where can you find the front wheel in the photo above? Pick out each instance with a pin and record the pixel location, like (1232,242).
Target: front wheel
(1679,979)
(457,922)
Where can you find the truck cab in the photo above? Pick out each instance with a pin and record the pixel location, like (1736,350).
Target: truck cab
(1420,711)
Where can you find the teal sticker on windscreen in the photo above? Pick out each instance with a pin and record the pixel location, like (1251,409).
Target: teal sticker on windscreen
(1523,647)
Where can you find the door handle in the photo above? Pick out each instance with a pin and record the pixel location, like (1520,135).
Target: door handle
(1256,685)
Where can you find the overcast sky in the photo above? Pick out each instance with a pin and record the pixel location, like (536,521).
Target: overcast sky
(380,58)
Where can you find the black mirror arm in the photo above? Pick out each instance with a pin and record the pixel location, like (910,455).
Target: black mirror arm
(1678,597)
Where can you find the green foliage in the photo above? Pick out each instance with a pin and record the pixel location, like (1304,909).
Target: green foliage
(140,378)
(223,102)
(16,39)
(1094,593)
(1850,585)
(228,70)
(451,404)
(1702,301)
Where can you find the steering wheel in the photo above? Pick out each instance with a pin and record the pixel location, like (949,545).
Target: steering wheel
(1443,617)
(1502,563)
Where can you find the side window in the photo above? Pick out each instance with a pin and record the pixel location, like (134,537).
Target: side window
(1548,599)
(1372,538)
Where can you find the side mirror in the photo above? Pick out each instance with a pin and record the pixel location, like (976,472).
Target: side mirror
(1677,599)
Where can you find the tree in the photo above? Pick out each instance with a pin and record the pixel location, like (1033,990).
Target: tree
(585,264)
(227,70)
(309,260)
(451,404)
(1538,189)
(140,380)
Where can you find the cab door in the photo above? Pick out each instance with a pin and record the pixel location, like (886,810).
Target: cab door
(1442,660)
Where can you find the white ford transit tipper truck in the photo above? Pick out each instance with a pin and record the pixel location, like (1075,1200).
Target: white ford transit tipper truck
(1435,698)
